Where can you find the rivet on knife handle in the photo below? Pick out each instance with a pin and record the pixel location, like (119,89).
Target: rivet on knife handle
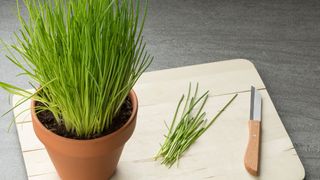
(251,159)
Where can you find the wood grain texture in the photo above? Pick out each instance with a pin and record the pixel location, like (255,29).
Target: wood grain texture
(217,154)
(252,155)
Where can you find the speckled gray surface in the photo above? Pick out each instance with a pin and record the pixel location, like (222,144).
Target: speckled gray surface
(282,38)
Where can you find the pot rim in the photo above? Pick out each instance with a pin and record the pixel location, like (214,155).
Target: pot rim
(134,101)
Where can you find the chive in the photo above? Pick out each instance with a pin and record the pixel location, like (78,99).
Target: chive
(187,128)
(86,55)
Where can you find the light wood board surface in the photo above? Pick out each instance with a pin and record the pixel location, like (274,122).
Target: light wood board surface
(218,154)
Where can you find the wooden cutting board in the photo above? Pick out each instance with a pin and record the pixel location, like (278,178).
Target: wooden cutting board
(218,154)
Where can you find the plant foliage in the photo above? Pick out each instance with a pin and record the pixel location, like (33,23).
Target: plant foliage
(186,127)
(86,56)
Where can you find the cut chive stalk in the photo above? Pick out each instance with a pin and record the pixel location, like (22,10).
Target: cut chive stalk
(188,127)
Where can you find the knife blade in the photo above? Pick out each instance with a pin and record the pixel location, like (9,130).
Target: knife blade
(251,158)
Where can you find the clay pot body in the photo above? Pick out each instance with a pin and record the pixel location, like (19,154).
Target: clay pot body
(94,159)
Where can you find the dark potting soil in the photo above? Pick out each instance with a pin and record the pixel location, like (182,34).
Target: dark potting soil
(48,120)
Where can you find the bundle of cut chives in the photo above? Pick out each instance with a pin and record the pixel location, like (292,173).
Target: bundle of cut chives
(190,126)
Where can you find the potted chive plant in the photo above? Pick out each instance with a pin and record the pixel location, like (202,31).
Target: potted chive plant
(85,55)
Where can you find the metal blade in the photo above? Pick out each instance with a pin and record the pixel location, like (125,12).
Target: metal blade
(255,104)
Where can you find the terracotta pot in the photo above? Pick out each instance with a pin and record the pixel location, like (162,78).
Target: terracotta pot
(93,159)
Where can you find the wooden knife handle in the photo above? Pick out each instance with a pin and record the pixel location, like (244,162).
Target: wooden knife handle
(251,158)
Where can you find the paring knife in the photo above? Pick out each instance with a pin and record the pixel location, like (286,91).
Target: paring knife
(251,158)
